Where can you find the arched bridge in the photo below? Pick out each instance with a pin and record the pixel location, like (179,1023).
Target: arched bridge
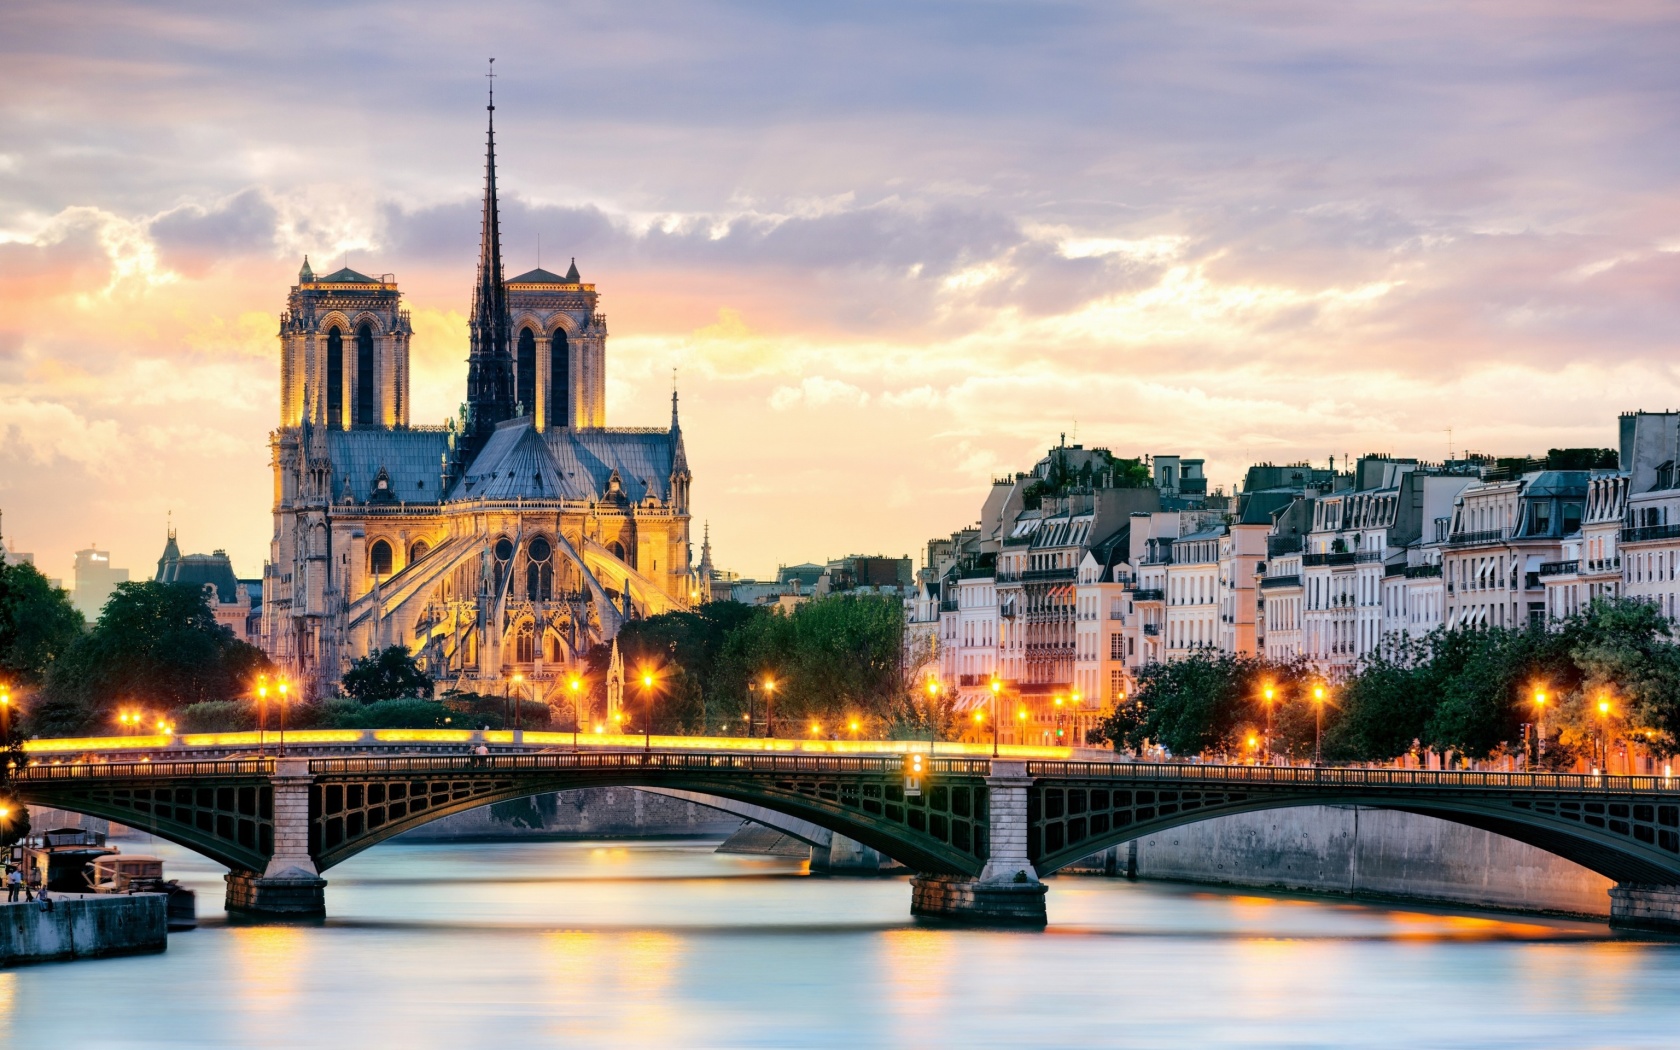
(979,831)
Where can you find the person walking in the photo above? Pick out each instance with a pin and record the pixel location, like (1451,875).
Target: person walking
(14,883)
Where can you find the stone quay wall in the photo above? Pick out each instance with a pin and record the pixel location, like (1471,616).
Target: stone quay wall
(83,926)
(1359,851)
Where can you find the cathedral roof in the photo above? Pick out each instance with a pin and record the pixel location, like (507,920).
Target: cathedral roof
(412,461)
(538,276)
(347,276)
(520,463)
(516,464)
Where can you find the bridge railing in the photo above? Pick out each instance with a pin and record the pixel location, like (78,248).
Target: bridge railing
(1331,776)
(142,770)
(677,761)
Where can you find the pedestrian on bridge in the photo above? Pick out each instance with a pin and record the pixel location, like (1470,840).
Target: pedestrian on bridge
(14,884)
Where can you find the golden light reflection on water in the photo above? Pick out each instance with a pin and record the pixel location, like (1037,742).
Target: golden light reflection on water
(621,979)
(917,965)
(271,962)
(8,991)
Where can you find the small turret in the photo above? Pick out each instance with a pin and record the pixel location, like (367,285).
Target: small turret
(572,274)
(305,275)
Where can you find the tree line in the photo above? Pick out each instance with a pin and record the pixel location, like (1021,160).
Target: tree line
(1610,672)
(157,648)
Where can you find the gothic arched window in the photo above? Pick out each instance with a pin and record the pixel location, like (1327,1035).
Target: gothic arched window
(364,376)
(379,558)
(524,647)
(539,572)
(418,551)
(504,554)
(617,549)
(559,381)
(335,377)
(525,376)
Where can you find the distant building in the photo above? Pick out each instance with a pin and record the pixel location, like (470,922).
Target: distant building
(236,603)
(96,578)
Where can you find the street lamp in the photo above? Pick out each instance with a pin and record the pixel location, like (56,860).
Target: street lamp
(1318,735)
(997,687)
(5,715)
(284,691)
(1269,694)
(518,680)
(647,698)
(769,709)
(262,715)
(577,711)
(1604,735)
(1539,725)
(854,730)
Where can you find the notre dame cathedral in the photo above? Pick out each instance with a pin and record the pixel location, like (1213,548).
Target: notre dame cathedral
(510,541)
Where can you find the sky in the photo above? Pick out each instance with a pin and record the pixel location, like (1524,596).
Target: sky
(892,250)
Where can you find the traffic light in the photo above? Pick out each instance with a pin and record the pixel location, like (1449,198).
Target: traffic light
(915,766)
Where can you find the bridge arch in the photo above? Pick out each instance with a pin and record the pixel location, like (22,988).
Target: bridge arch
(1627,836)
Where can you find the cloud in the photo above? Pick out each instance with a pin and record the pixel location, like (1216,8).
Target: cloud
(1271,229)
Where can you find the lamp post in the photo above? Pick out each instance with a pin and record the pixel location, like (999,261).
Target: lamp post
(933,719)
(262,715)
(769,707)
(5,716)
(518,680)
(854,730)
(1604,736)
(1268,694)
(285,691)
(997,687)
(1318,733)
(647,702)
(1059,715)
(1539,725)
(1078,719)
(577,712)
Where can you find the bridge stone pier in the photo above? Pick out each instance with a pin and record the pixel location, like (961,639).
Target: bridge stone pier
(1008,891)
(289,886)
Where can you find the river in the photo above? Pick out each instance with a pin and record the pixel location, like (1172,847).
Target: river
(660,943)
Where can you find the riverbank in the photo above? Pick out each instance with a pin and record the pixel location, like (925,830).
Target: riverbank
(83,926)
(1362,852)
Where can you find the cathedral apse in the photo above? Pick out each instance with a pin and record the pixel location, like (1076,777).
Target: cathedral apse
(509,541)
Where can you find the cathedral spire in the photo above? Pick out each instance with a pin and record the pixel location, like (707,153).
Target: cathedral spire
(490,364)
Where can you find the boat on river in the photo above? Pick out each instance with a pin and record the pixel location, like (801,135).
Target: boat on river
(140,873)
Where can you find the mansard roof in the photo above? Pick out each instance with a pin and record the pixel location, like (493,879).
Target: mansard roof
(520,463)
(202,569)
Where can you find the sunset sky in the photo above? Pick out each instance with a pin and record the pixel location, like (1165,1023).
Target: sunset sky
(893,249)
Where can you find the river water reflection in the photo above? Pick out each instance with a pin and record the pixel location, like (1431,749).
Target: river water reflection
(655,943)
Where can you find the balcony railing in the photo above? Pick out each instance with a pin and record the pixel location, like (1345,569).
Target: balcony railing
(1148,594)
(1418,572)
(1329,558)
(1273,582)
(1048,575)
(1152,629)
(1471,539)
(1560,568)
(1650,532)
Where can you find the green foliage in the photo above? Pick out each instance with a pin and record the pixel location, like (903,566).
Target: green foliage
(1623,653)
(37,624)
(218,716)
(400,713)
(832,660)
(155,646)
(390,674)
(1582,459)
(1212,703)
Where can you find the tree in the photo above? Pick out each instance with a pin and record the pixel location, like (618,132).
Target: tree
(37,624)
(390,674)
(157,647)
